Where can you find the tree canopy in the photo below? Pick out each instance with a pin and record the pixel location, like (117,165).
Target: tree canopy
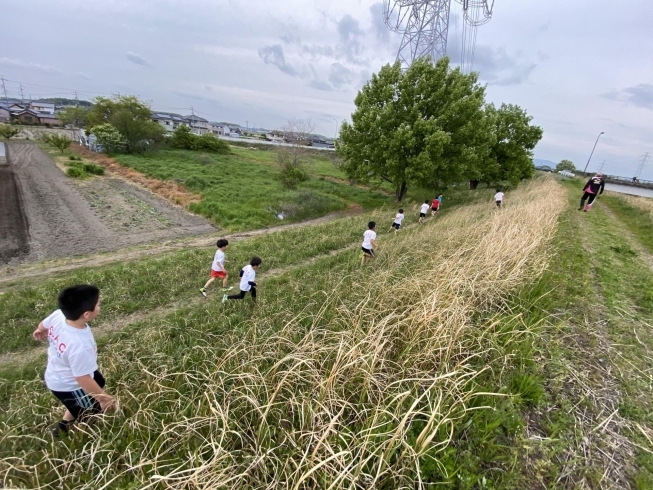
(565,165)
(130,116)
(73,116)
(430,126)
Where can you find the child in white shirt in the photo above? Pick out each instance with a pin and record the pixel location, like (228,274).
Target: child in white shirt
(423,210)
(396,224)
(369,242)
(247,284)
(498,198)
(217,268)
(72,373)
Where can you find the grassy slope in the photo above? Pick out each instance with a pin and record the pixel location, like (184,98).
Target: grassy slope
(241,190)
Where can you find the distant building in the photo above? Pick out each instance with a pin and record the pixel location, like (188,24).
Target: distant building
(198,125)
(5,114)
(169,121)
(42,107)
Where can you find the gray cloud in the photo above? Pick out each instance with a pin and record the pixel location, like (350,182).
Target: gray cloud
(349,33)
(136,58)
(317,51)
(381,31)
(274,55)
(497,67)
(27,65)
(638,95)
(83,75)
(290,39)
(320,85)
(340,75)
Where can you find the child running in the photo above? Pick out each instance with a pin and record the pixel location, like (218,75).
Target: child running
(498,198)
(396,224)
(217,268)
(247,276)
(72,372)
(592,190)
(369,242)
(423,210)
(435,205)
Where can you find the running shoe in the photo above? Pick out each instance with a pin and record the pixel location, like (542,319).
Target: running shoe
(203,291)
(224,298)
(224,290)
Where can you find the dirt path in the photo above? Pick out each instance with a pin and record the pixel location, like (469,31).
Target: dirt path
(14,237)
(66,217)
(9,276)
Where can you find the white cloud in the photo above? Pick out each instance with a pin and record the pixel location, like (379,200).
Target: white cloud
(27,65)
(136,58)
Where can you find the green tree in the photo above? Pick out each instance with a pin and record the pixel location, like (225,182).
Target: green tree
(109,137)
(8,132)
(73,116)
(424,126)
(59,141)
(565,165)
(511,157)
(130,116)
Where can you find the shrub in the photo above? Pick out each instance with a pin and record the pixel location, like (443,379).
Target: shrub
(59,141)
(195,182)
(93,169)
(7,132)
(74,158)
(76,172)
(183,139)
(291,175)
(204,159)
(109,137)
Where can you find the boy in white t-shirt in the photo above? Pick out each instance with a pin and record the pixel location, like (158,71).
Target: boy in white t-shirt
(498,198)
(423,210)
(369,242)
(217,268)
(396,224)
(72,372)
(247,284)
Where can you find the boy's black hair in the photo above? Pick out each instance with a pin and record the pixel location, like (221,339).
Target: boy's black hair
(426,201)
(255,261)
(223,242)
(77,300)
(371,225)
(498,190)
(401,210)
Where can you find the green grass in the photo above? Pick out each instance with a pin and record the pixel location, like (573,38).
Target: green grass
(242,191)
(637,221)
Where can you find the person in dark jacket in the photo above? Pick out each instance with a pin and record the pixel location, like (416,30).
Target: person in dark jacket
(592,189)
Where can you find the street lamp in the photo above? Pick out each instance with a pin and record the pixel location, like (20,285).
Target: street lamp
(588,160)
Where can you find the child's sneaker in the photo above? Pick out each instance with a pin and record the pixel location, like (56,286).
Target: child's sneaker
(62,427)
(224,298)
(203,291)
(224,290)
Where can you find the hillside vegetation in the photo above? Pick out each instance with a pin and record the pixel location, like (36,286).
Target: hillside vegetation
(378,377)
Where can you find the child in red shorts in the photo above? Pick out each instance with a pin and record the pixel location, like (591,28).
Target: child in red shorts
(217,268)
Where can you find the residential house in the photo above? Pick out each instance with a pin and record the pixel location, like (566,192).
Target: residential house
(5,114)
(275,136)
(198,125)
(41,107)
(169,121)
(26,116)
(222,130)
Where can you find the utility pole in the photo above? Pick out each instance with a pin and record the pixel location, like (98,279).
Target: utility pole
(22,96)
(76,99)
(247,123)
(640,167)
(4,89)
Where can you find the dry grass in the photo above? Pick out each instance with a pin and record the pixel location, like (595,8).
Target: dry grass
(170,190)
(357,391)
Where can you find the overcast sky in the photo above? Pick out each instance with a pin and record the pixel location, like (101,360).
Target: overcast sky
(578,67)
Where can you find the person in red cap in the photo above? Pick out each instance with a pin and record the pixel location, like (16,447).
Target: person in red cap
(592,189)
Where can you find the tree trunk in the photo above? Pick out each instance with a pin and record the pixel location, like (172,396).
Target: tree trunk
(400,193)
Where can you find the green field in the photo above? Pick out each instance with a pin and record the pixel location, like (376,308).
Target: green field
(484,349)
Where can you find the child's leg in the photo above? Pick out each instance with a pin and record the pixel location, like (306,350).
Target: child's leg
(208,282)
(224,280)
(240,295)
(253,291)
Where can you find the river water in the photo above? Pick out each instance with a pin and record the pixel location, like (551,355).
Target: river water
(625,189)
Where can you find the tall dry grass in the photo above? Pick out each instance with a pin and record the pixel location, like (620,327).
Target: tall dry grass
(357,391)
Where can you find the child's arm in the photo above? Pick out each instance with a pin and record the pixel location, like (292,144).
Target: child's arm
(41,333)
(373,242)
(90,387)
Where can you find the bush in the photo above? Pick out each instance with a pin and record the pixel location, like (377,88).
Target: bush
(59,141)
(7,132)
(76,172)
(109,137)
(93,169)
(183,139)
(74,158)
(291,175)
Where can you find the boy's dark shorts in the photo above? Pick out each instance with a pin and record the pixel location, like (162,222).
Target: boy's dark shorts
(78,402)
(396,226)
(498,203)
(434,209)
(368,251)
(422,215)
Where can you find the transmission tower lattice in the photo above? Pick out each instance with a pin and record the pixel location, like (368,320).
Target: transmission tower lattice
(424,25)
(640,167)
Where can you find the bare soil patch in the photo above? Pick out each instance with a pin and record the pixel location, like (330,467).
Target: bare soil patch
(65,218)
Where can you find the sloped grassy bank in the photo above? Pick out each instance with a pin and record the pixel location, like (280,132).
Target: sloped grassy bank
(400,374)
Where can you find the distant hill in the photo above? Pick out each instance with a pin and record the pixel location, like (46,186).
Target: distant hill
(539,162)
(58,101)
